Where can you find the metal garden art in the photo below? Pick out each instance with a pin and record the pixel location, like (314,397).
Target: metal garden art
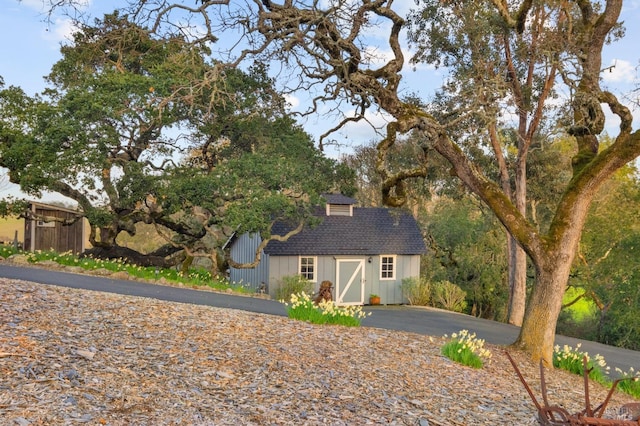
(555,415)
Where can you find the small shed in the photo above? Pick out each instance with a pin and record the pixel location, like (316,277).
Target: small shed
(49,227)
(361,250)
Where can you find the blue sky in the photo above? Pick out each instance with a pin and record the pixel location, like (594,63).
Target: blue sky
(30,46)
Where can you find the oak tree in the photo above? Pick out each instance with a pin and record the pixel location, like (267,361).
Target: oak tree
(325,43)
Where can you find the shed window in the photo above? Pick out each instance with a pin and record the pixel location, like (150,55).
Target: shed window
(387,267)
(308,268)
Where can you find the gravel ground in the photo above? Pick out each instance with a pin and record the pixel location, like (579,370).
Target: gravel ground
(71,357)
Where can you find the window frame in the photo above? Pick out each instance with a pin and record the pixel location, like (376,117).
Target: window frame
(314,273)
(384,271)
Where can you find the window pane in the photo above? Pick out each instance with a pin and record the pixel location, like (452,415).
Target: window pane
(386,267)
(307,268)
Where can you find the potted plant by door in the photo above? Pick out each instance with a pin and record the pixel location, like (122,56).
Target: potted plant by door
(374,299)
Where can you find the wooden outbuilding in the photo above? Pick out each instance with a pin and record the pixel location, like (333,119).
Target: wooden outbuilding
(49,227)
(360,250)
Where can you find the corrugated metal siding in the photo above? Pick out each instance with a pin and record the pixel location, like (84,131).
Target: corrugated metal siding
(244,250)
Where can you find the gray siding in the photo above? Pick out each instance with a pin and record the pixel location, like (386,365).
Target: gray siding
(282,266)
(390,291)
(244,251)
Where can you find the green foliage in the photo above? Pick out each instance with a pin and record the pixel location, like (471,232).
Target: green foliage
(621,324)
(292,284)
(449,296)
(417,290)
(98,134)
(103,135)
(464,348)
(279,175)
(579,326)
(11,207)
(302,308)
(442,294)
(608,268)
(467,248)
(581,306)
(404,153)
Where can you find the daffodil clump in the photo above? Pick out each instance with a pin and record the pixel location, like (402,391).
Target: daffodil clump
(466,349)
(301,307)
(195,277)
(7,250)
(571,360)
(630,383)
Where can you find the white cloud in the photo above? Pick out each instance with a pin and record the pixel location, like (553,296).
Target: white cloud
(620,71)
(292,100)
(62,30)
(612,121)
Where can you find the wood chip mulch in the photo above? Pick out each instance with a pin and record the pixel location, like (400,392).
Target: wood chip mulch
(70,357)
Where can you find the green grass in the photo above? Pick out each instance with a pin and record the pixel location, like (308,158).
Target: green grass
(196,277)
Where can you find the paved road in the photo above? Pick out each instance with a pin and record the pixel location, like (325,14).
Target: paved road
(432,322)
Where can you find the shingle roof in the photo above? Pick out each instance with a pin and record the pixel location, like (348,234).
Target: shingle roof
(339,199)
(370,231)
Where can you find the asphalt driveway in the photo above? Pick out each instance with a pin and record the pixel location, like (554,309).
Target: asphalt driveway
(427,321)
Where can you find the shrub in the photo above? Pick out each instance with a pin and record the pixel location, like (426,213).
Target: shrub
(293,284)
(466,349)
(417,290)
(449,296)
(301,307)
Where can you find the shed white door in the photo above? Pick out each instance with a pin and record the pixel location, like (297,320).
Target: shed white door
(350,281)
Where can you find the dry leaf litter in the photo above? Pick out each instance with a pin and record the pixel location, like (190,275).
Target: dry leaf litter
(70,357)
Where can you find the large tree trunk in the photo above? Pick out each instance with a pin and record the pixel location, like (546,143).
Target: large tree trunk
(131,256)
(537,334)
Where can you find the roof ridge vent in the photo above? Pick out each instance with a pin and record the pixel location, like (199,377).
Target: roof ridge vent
(339,210)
